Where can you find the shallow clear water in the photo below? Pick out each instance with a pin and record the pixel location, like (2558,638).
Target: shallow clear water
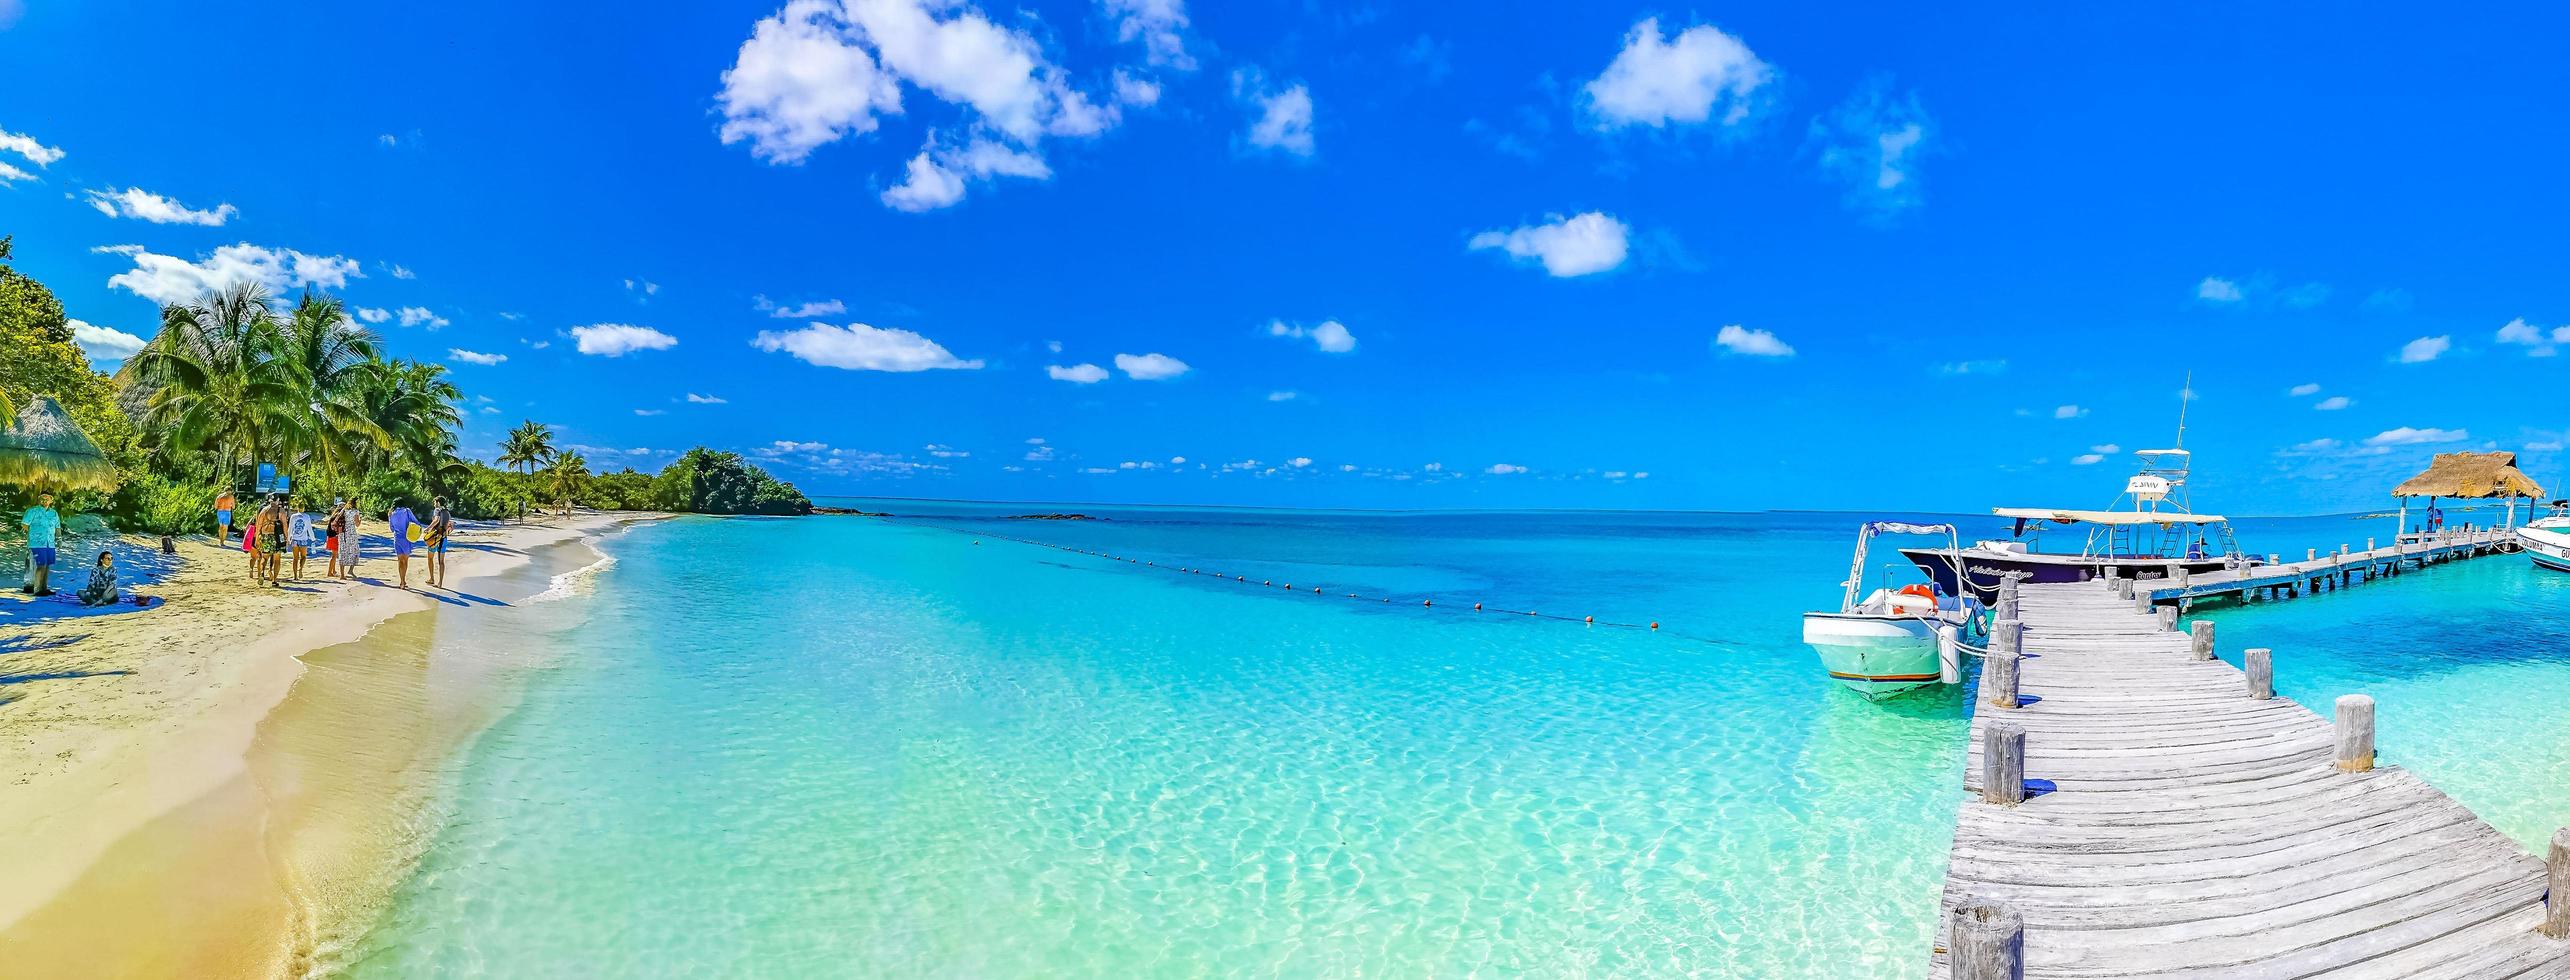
(851,746)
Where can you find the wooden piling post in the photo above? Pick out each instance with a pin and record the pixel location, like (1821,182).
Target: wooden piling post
(2168,618)
(2124,588)
(2261,671)
(2355,733)
(2142,602)
(1999,672)
(1989,943)
(2556,905)
(2003,764)
(2203,639)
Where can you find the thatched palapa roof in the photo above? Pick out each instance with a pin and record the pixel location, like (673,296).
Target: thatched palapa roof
(2470,475)
(44,446)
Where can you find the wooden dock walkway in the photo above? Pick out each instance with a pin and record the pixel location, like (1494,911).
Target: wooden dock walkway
(2318,572)
(2174,824)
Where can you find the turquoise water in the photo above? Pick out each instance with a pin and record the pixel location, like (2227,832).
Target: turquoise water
(844,746)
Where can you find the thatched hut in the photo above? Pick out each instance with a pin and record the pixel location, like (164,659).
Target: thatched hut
(2469,476)
(44,447)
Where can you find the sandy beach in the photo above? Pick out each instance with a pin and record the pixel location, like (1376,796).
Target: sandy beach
(221,772)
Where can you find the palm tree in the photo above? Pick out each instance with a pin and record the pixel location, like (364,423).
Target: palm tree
(569,468)
(328,357)
(216,383)
(527,446)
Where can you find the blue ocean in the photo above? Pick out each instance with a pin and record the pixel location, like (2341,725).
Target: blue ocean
(949,744)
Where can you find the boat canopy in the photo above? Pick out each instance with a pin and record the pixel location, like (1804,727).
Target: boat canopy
(1896,527)
(2111,518)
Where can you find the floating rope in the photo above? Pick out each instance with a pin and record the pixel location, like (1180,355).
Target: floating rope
(1427,603)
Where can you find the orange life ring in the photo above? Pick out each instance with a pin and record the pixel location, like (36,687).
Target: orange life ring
(1927,592)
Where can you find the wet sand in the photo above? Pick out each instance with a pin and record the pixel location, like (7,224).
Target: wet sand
(242,801)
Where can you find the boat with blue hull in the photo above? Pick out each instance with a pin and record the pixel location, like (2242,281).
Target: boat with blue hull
(2149,531)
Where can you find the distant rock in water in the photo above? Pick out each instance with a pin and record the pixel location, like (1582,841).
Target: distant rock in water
(846,512)
(1053,517)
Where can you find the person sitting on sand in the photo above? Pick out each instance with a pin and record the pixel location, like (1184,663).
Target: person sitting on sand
(43,525)
(299,539)
(101,590)
(399,522)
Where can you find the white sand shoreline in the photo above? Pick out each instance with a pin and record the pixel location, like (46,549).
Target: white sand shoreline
(88,760)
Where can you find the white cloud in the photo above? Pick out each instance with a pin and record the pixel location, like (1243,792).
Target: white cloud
(1283,396)
(372,314)
(1654,81)
(1134,90)
(946,452)
(2406,436)
(2314,447)
(696,399)
(1436,467)
(859,347)
(1078,374)
(135,202)
(1975,367)
(2333,403)
(620,339)
(817,71)
(791,446)
(2068,412)
(1150,367)
(936,177)
(1873,143)
(2218,290)
(169,280)
(2087,459)
(2301,390)
(103,343)
(1155,23)
(2536,341)
(1284,117)
(2425,349)
(1331,336)
(474,357)
(412,316)
(1754,343)
(800,82)
(819,307)
(400,271)
(27,147)
(643,286)
(649,412)
(1299,462)
(2108,449)
(1496,469)
(10,175)
(1574,246)
(1177,461)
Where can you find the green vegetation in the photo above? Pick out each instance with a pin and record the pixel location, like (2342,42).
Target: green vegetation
(231,381)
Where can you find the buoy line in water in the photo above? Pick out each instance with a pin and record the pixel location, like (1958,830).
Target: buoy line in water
(1424,602)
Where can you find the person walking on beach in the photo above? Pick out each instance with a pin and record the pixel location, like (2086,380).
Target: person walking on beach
(440,524)
(43,526)
(352,538)
(299,538)
(399,522)
(223,519)
(272,537)
(337,522)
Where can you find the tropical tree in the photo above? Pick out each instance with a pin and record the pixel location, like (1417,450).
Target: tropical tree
(528,446)
(214,382)
(414,405)
(329,359)
(569,468)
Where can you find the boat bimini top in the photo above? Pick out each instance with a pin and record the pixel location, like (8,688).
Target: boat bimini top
(2111,518)
(1865,535)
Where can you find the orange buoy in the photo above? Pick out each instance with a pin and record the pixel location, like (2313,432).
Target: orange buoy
(1476,607)
(1592,620)
(1655,624)
(1316,590)
(1427,602)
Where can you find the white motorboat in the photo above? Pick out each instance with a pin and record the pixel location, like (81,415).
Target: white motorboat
(2547,541)
(1887,641)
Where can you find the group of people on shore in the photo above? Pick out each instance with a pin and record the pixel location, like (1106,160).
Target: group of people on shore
(281,530)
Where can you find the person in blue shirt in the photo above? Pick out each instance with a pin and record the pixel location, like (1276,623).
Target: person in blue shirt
(42,527)
(399,521)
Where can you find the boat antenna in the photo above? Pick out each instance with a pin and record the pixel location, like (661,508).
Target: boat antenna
(2184,395)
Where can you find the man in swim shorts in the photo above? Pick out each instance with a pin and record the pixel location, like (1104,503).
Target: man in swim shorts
(43,525)
(223,520)
(272,538)
(441,523)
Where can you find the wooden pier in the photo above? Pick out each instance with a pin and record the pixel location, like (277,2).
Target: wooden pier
(2319,571)
(2141,808)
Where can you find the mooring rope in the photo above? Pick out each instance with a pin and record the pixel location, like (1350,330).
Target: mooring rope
(1424,603)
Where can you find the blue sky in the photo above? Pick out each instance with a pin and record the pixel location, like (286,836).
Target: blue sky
(1770,255)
